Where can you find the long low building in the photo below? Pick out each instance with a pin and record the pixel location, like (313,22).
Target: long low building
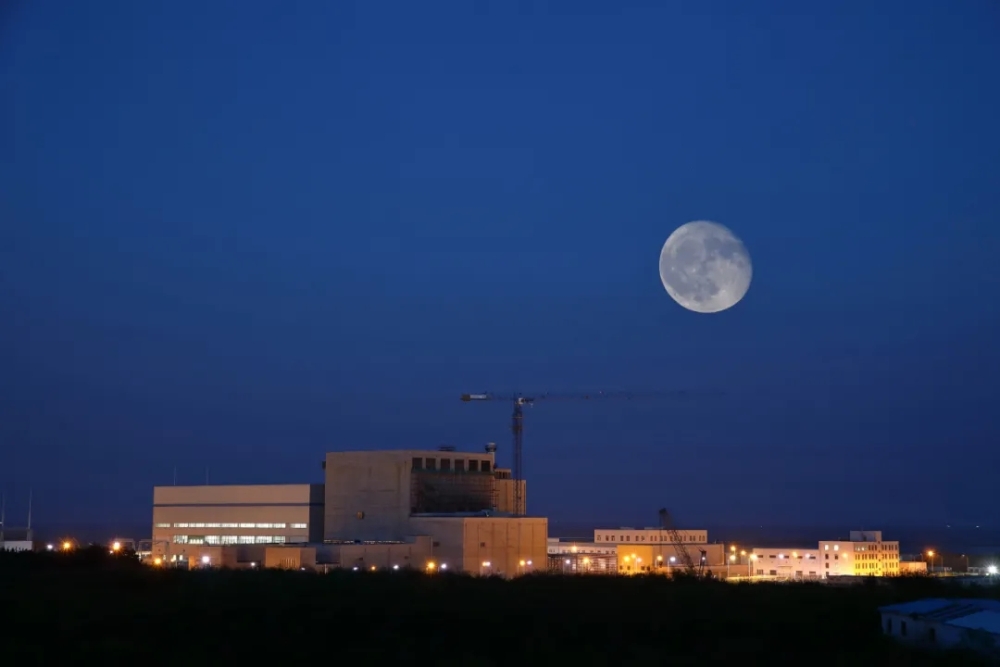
(863,554)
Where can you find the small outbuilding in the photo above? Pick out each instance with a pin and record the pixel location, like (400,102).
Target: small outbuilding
(969,624)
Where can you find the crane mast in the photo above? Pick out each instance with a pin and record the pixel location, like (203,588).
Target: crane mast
(675,540)
(517,423)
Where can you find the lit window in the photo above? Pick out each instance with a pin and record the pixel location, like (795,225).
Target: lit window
(196,540)
(248,525)
(213,525)
(180,539)
(263,539)
(298,525)
(229,525)
(180,525)
(163,525)
(197,525)
(279,539)
(228,539)
(245,539)
(278,525)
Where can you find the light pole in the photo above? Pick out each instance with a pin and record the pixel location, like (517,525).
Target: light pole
(753,559)
(732,559)
(930,554)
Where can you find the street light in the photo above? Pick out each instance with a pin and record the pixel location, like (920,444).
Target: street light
(753,559)
(991,570)
(930,554)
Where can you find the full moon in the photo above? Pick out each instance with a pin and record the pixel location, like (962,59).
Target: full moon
(705,267)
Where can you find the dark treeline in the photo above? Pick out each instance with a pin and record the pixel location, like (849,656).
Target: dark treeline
(89,605)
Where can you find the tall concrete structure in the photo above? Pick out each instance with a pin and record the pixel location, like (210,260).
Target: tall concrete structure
(373,495)
(456,498)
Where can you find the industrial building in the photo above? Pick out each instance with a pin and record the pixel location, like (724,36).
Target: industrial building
(190,518)
(642,551)
(863,554)
(437,509)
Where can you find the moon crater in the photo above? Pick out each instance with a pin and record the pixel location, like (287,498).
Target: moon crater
(705,267)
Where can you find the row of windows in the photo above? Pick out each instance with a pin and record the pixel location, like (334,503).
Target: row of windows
(458,465)
(656,539)
(229,539)
(886,546)
(294,526)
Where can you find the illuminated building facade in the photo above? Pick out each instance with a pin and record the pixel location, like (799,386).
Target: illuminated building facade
(863,554)
(190,517)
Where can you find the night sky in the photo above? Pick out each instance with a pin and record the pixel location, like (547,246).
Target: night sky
(240,234)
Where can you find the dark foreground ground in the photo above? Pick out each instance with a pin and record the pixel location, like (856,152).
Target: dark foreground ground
(102,610)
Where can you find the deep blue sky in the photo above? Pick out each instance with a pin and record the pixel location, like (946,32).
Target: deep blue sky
(241,234)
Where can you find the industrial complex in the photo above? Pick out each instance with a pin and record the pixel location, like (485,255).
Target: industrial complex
(452,510)
(429,510)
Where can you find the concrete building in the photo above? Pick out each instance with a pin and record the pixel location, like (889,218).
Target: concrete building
(788,563)
(457,498)
(666,558)
(188,518)
(863,554)
(372,495)
(946,623)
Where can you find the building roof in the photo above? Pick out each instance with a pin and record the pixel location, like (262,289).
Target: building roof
(964,613)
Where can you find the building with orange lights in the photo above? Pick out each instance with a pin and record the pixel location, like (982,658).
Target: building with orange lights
(863,554)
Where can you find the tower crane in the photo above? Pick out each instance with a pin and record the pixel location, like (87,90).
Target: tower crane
(519,401)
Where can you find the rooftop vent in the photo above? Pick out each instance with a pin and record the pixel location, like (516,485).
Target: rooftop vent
(446,448)
(491,447)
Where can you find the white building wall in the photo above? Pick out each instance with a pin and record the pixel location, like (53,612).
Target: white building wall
(787,563)
(866,554)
